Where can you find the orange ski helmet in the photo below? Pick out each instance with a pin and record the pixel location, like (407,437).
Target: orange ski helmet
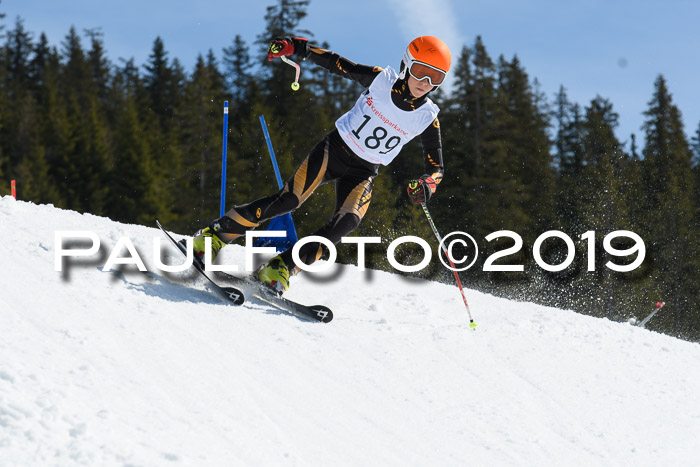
(426,57)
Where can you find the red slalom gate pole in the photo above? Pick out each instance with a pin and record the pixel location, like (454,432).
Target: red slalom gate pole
(13,185)
(659,306)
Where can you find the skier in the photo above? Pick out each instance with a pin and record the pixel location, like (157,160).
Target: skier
(392,110)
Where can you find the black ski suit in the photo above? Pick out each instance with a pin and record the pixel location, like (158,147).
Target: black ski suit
(332,160)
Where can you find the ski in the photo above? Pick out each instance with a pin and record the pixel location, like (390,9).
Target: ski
(232,294)
(255,289)
(265,294)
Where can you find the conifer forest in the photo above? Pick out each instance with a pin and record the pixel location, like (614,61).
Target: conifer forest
(140,141)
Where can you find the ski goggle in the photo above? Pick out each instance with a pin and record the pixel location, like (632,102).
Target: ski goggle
(421,71)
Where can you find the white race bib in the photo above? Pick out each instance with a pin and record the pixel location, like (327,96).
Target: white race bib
(375,129)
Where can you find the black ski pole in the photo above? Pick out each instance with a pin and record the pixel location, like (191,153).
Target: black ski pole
(472,324)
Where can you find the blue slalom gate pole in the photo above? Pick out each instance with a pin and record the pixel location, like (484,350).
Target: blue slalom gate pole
(223,162)
(283,222)
(272,152)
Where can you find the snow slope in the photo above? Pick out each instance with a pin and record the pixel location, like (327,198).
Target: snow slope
(100,368)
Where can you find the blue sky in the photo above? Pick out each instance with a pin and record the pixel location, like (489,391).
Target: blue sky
(613,48)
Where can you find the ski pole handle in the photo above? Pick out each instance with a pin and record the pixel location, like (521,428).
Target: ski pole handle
(295,84)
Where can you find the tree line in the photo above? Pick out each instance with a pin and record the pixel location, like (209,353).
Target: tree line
(138,142)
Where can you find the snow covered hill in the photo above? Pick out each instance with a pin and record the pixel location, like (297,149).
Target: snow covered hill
(100,368)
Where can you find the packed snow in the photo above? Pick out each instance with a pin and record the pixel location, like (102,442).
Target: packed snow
(152,368)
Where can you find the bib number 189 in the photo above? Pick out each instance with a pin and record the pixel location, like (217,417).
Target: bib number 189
(378,135)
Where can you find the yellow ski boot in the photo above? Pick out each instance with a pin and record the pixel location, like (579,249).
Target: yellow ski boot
(275,275)
(199,245)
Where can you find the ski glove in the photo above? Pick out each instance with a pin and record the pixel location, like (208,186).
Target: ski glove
(420,190)
(284,46)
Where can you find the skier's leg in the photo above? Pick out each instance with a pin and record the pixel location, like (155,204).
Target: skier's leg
(308,176)
(353,199)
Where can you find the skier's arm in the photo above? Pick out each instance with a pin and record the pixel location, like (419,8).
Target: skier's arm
(332,62)
(341,66)
(432,151)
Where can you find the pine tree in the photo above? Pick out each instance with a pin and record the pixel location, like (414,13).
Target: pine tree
(283,20)
(99,64)
(17,51)
(163,90)
(132,197)
(483,180)
(53,131)
(575,289)
(15,54)
(39,62)
(201,132)
(602,203)
(569,156)
(85,166)
(523,126)
(237,69)
(603,160)
(26,161)
(672,237)
(465,122)
(159,82)
(458,146)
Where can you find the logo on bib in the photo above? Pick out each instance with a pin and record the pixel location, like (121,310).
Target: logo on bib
(370,101)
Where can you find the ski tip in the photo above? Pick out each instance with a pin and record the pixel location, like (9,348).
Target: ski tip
(324,314)
(234,295)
